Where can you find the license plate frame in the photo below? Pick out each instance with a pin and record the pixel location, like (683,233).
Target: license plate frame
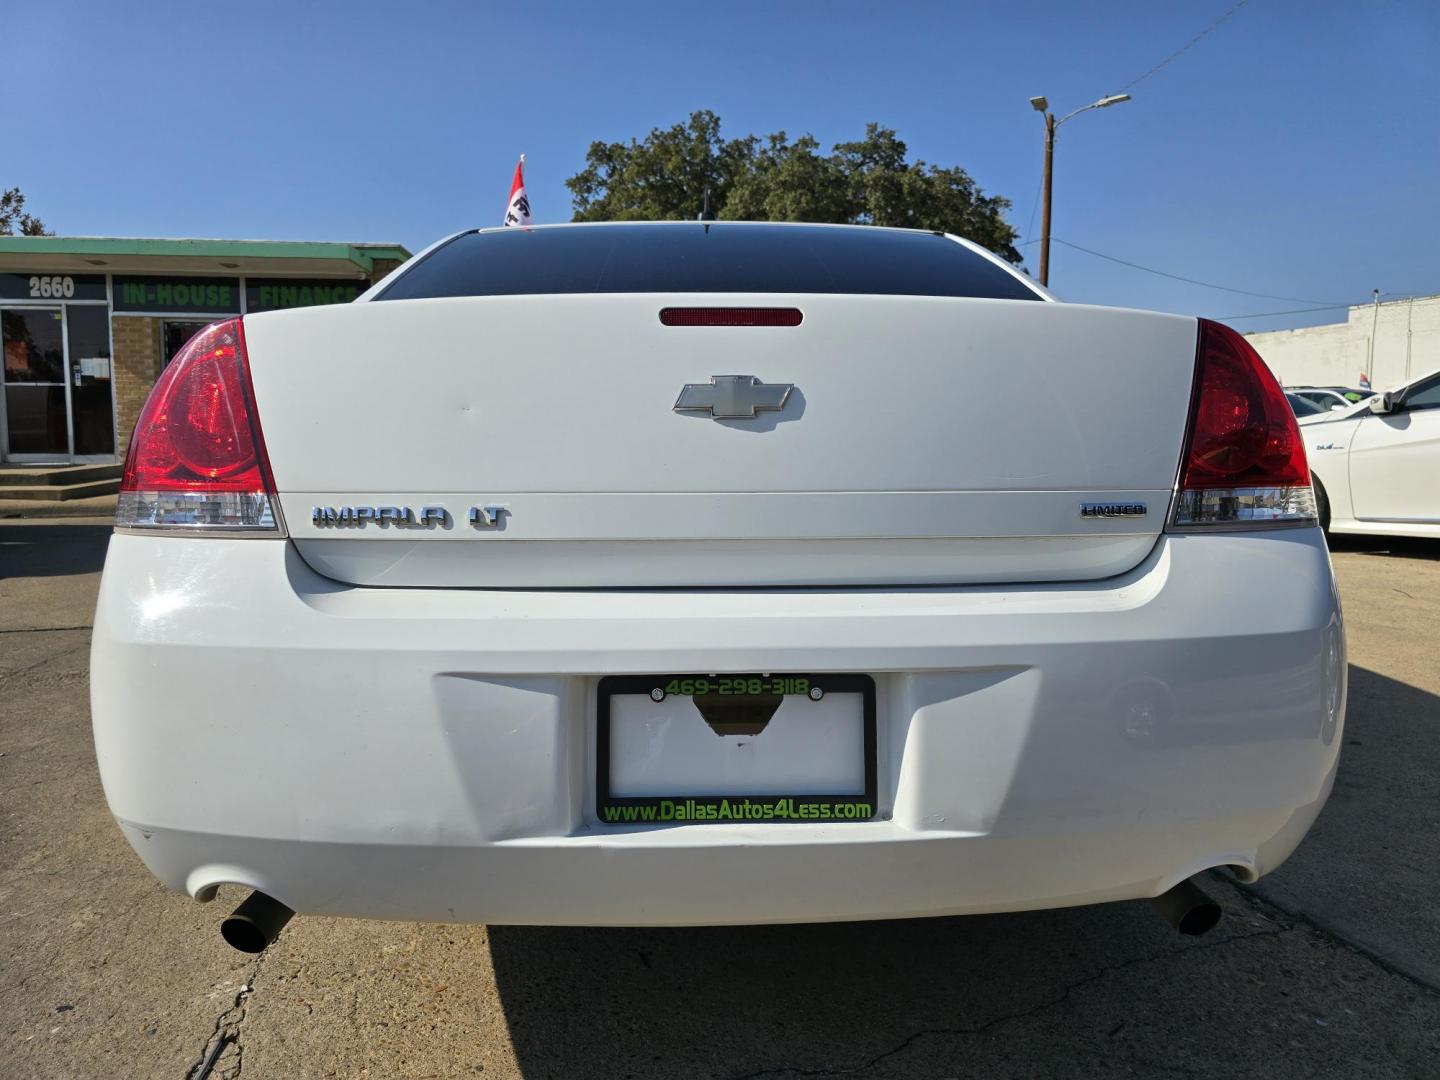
(685,808)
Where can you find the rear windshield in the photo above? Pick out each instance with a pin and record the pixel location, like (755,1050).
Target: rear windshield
(696,257)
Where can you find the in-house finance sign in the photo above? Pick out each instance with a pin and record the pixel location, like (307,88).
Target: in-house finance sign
(177,295)
(271,294)
(221,296)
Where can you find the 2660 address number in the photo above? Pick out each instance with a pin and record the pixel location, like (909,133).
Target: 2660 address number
(56,288)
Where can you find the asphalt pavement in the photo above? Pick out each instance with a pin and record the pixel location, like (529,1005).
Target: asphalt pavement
(1329,967)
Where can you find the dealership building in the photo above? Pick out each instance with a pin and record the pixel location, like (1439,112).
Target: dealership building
(88,323)
(1390,343)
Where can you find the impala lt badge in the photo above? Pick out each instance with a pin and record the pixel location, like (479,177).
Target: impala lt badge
(488,517)
(1113,510)
(401,517)
(733,397)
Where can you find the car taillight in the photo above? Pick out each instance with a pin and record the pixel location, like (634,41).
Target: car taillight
(1244,460)
(197,458)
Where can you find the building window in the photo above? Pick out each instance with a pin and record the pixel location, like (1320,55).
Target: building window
(175,334)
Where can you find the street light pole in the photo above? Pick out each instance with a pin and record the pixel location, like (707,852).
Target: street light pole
(1045,205)
(1041,105)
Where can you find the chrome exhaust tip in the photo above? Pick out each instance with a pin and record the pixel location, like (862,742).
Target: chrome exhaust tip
(255,923)
(1188,908)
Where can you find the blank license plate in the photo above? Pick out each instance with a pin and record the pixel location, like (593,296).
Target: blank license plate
(727,749)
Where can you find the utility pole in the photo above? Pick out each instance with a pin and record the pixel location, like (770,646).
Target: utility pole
(1042,106)
(1045,199)
(1374,327)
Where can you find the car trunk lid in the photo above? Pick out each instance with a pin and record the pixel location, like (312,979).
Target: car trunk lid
(922,440)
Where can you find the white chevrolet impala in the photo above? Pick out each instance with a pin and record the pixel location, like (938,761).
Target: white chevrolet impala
(646,574)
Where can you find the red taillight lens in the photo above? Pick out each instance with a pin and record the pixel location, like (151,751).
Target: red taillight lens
(197,458)
(1244,457)
(731,316)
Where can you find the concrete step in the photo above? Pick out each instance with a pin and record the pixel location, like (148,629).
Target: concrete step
(56,493)
(100,510)
(56,475)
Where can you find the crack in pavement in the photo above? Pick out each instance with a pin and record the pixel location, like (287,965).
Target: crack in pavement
(118,917)
(1251,896)
(43,629)
(48,658)
(994,1022)
(1256,899)
(42,680)
(69,676)
(227,1030)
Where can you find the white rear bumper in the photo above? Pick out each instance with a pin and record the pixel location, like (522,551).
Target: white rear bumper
(427,754)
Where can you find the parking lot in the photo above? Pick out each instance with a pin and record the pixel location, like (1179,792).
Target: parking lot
(1329,967)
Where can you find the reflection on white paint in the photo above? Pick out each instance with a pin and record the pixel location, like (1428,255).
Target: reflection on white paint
(158,605)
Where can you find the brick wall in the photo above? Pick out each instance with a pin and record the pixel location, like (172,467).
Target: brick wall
(137,366)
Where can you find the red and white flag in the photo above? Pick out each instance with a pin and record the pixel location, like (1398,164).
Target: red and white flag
(518,212)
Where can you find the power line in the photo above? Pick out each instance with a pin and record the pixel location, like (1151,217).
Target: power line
(1193,281)
(1292,311)
(1034,205)
(1187,46)
(1319,305)
(1399,298)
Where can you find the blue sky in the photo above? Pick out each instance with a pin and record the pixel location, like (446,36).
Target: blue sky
(1294,150)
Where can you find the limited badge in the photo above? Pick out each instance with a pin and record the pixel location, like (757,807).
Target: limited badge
(1113,510)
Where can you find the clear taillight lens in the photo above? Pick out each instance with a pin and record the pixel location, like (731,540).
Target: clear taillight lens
(1244,460)
(197,458)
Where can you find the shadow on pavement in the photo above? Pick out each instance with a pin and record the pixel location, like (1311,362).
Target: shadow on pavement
(999,995)
(47,550)
(1367,869)
(1399,547)
(729,1002)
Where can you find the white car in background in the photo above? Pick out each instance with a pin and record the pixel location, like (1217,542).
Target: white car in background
(1377,465)
(645,574)
(1326,397)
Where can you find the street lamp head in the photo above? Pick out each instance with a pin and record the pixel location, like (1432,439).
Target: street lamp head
(1113,99)
(1039,103)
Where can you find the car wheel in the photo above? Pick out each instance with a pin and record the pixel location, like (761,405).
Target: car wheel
(1322,503)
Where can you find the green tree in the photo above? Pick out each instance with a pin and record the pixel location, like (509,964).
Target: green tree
(12,214)
(788,181)
(667,175)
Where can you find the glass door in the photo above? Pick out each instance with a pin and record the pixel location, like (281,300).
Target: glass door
(58,403)
(36,417)
(92,410)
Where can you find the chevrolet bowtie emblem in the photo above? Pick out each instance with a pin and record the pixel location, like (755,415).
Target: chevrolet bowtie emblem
(733,397)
